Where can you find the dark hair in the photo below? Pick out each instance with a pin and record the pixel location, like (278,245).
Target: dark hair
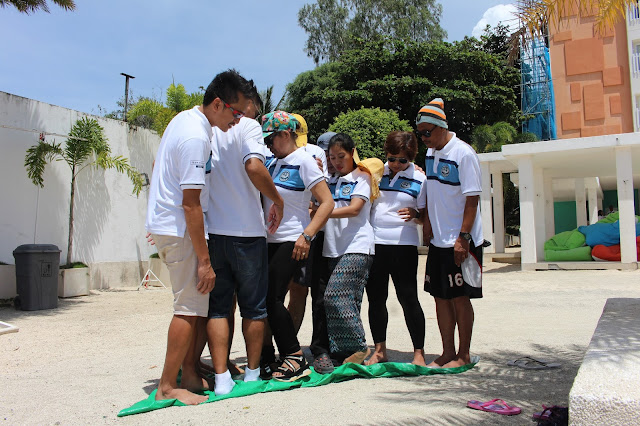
(402,141)
(342,140)
(226,86)
(255,97)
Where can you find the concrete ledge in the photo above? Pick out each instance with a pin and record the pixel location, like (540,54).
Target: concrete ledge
(117,274)
(8,282)
(512,258)
(570,266)
(606,389)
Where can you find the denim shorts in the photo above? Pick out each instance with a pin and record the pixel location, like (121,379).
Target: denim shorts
(241,267)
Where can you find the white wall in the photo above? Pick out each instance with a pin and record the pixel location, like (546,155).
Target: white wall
(109,219)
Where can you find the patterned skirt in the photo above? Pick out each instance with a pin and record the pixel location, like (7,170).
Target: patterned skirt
(343,300)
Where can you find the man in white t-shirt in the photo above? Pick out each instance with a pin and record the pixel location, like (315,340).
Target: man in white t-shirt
(238,244)
(177,200)
(453,229)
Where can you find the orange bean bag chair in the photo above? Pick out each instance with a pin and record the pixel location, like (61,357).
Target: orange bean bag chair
(612,253)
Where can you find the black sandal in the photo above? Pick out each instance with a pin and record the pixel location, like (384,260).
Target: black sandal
(289,371)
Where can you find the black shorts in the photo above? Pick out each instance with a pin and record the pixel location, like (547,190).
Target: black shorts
(444,279)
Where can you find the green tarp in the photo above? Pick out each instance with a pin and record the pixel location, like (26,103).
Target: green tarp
(340,374)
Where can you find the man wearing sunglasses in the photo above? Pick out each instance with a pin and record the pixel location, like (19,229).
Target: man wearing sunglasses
(452,228)
(178,197)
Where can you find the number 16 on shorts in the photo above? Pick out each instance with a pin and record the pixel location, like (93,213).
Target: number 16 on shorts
(457,279)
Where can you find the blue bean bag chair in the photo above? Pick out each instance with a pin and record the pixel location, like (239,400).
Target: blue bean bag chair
(605,234)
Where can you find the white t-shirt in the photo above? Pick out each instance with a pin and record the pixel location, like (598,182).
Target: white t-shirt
(354,234)
(401,191)
(234,203)
(453,174)
(294,176)
(183,162)
(317,152)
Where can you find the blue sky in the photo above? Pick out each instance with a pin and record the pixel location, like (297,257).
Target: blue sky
(74,59)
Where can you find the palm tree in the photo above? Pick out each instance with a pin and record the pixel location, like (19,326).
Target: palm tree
(30,6)
(85,146)
(536,15)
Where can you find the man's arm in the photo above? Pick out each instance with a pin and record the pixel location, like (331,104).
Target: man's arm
(461,247)
(261,179)
(195,227)
(427,232)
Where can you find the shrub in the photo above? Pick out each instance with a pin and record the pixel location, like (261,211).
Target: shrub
(369,127)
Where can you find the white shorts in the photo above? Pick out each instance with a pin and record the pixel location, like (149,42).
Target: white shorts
(181,260)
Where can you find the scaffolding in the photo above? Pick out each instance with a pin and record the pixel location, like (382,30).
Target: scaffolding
(536,84)
(536,89)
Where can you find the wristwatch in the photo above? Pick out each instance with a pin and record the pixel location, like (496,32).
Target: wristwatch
(308,237)
(465,236)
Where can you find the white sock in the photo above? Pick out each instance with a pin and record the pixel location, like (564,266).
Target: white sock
(251,375)
(224,383)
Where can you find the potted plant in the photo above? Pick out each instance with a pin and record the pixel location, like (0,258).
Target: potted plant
(85,146)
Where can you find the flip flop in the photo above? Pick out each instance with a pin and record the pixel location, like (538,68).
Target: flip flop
(529,363)
(550,411)
(497,406)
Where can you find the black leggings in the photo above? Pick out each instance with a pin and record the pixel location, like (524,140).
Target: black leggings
(401,262)
(281,269)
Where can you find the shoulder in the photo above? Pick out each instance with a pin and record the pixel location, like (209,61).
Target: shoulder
(416,175)
(360,176)
(462,147)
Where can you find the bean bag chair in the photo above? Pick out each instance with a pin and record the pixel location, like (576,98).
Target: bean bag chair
(567,246)
(606,234)
(612,253)
(614,217)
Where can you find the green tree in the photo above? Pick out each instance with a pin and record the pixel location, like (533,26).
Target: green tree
(369,127)
(86,146)
(333,26)
(477,87)
(30,6)
(153,114)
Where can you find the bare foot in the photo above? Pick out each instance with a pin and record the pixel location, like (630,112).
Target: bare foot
(376,358)
(418,358)
(357,357)
(182,395)
(458,362)
(234,369)
(194,383)
(441,360)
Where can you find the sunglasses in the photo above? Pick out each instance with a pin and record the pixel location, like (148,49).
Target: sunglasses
(425,133)
(236,114)
(268,141)
(400,160)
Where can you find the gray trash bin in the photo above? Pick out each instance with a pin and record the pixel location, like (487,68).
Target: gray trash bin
(37,267)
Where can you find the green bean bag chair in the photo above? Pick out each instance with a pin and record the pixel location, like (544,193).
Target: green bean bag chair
(567,246)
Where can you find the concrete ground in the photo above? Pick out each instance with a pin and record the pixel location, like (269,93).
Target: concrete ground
(93,356)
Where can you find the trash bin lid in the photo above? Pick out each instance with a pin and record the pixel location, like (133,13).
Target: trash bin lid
(36,248)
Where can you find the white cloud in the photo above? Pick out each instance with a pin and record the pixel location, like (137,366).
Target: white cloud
(505,13)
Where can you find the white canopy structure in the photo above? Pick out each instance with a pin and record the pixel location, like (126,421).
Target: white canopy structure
(544,171)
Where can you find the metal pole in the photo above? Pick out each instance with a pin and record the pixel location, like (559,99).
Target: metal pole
(126,93)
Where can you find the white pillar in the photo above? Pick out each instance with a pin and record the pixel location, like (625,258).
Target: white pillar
(485,207)
(581,203)
(550,220)
(624,175)
(498,212)
(592,195)
(531,211)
